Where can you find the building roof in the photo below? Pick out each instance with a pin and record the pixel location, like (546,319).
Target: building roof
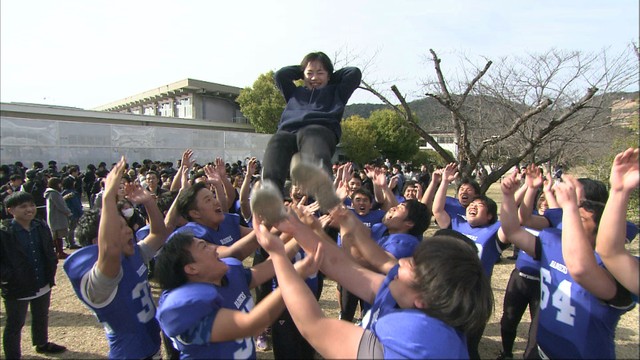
(64,113)
(174,89)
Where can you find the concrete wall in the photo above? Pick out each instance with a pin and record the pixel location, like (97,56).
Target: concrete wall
(33,137)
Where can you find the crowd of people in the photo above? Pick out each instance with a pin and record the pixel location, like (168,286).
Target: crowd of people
(190,228)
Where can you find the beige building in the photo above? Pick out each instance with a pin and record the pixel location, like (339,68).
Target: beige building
(184,99)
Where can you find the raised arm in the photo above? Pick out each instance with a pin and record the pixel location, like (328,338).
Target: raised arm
(610,241)
(245,189)
(158,232)
(430,192)
(284,79)
(213,178)
(577,249)
(185,162)
(380,186)
(356,235)
(533,182)
(336,264)
(110,244)
(229,190)
(332,338)
(448,175)
(172,218)
(510,228)
(348,79)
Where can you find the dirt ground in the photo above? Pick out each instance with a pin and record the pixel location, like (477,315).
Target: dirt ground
(71,324)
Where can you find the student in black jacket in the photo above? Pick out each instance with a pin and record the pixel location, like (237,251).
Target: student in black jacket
(28,266)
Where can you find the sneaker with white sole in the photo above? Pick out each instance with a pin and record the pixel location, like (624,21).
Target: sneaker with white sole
(267,203)
(315,181)
(262,342)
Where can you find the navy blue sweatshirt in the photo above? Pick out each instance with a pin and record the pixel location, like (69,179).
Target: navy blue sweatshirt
(323,106)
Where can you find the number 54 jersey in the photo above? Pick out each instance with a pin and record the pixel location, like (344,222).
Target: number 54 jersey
(573,323)
(128,314)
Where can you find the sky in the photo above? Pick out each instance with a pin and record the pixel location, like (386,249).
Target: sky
(89,53)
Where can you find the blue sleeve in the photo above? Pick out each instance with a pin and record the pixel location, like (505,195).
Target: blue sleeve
(400,249)
(185,311)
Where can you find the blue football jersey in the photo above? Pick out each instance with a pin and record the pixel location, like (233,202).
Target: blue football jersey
(187,314)
(228,231)
(410,333)
(486,239)
(572,322)
(128,315)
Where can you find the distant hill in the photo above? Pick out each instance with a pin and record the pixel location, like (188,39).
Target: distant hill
(434,117)
(431,115)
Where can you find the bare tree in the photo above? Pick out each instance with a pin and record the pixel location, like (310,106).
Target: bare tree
(539,107)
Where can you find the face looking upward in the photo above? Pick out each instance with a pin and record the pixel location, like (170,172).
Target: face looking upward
(466,194)
(206,265)
(478,213)
(361,204)
(315,75)
(208,210)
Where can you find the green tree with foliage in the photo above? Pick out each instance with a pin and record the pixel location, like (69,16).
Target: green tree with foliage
(395,140)
(262,104)
(428,157)
(359,140)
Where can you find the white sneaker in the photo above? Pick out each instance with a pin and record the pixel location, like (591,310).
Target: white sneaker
(315,181)
(267,203)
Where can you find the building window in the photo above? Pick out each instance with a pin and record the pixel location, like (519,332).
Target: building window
(148,110)
(166,109)
(185,110)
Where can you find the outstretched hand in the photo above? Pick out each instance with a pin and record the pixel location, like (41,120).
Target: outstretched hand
(566,192)
(510,184)
(625,174)
(311,262)
(533,176)
(270,242)
(137,194)
(112,182)
(450,172)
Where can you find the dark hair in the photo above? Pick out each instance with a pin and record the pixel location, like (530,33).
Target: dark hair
(68,183)
(317,56)
(187,200)
(153,172)
(87,228)
(408,184)
(54,183)
(491,205)
(458,235)
(452,283)
(594,190)
(420,215)
(120,204)
(37,165)
(474,184)
(170,263)
(363,191)
(165,200)
(18,198)
(15,177)
(596,209)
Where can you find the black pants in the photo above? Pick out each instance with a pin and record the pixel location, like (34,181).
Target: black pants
(312,141)
(473,342)
(288,343)
(521,292)
(16,313)
(349,303)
